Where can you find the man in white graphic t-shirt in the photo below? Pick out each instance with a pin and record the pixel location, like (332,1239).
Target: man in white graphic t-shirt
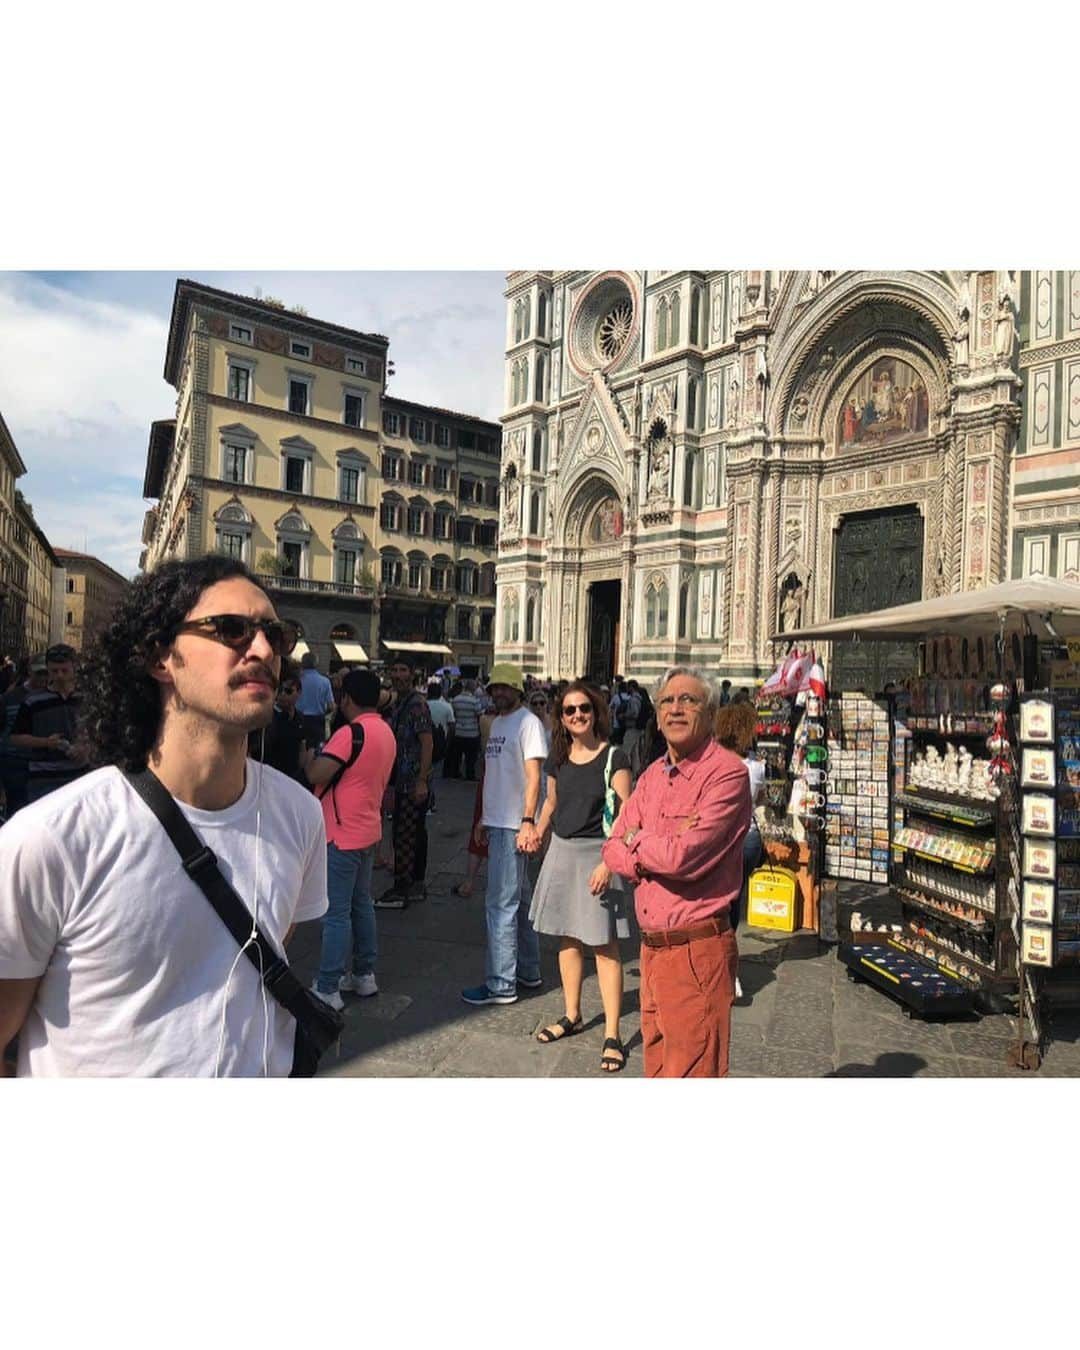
(112,960)
(516,749)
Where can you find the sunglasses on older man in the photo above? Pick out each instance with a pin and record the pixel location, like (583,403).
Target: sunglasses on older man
(237,631)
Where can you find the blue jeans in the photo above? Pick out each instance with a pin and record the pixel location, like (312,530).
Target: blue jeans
(512,945)
(350,919)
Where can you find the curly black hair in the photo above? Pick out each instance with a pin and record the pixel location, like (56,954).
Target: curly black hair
(122,702)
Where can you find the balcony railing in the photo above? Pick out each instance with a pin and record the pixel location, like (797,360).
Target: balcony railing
(270,582)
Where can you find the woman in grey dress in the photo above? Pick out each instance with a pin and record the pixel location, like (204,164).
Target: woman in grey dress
(576,898)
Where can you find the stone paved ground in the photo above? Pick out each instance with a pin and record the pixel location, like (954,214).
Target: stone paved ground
(800,1015)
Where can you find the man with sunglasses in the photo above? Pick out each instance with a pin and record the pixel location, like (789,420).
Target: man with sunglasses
(112,960)
(680,838)
(283,744)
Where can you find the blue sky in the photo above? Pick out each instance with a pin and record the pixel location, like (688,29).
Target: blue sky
(82,353)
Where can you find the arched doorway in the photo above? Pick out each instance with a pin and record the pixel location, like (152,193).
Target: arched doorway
(591,618)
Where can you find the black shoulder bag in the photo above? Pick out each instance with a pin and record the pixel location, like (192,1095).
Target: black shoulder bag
(318,1025)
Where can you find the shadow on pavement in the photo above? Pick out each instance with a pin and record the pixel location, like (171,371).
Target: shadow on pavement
(892,1064)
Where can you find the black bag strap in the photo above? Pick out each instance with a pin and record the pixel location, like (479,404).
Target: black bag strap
(354,754)
(201,866)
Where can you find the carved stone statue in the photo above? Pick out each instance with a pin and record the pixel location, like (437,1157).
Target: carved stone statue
(731,411)
(1003,338)
(511,496)
(799,409)
(659,466)
(791,607)
(961,338)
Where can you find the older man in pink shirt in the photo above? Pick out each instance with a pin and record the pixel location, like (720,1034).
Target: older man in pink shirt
(680,838)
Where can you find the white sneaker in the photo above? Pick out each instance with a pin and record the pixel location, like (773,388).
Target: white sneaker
(738,988)
(335,1000)
(364,985)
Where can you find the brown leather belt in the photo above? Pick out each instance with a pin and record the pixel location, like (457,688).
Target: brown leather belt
(679,937)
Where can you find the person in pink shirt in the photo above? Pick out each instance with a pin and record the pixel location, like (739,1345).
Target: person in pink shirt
(680,839)
(352,814)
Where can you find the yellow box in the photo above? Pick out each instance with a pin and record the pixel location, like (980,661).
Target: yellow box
(773,899)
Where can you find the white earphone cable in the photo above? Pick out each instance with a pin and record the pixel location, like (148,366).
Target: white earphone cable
(252,938)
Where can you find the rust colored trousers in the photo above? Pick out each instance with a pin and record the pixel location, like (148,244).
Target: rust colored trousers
(686,998)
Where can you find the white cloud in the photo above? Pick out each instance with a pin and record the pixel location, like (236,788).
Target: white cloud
(106,524)
(76,370)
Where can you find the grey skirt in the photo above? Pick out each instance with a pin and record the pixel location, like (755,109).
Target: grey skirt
(563,905)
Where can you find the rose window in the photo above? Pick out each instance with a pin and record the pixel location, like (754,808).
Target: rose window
(615,329)
(603,323)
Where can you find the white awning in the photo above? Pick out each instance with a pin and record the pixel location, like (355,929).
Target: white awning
(299,650)
(1034,604)
(435,647)
(351,651)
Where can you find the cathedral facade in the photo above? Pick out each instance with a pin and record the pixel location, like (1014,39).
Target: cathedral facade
(695,461)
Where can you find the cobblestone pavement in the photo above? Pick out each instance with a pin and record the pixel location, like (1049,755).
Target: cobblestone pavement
(800,1016)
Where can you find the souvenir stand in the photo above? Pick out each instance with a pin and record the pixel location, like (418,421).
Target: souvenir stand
(983,804)
(791,740)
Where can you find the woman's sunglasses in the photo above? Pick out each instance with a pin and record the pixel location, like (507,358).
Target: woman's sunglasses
(237,630)
(538,703)
(569,709)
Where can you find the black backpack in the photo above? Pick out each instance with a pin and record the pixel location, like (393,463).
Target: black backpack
(438,744)
(357,746)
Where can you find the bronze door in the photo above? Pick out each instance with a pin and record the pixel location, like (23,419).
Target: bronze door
(604,599)
(878,564)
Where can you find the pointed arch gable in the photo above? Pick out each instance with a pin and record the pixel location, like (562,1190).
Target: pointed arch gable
(928,303)
(580,500)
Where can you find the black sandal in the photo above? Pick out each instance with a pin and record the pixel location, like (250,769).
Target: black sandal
(608,1063)
(545,1036)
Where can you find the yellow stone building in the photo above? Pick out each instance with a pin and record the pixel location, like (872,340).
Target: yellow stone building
(43,621)
(14,552)
(91,592)
(278,454)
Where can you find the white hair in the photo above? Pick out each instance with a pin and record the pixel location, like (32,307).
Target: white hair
(712,689)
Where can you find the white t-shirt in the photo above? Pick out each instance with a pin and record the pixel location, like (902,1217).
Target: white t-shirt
(515,737)
(756,769)
(134,962)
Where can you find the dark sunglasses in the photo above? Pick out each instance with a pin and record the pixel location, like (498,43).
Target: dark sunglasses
(569,709)
(290,688)
(237,630)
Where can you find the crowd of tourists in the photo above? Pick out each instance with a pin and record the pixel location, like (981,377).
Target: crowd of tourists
(289,788)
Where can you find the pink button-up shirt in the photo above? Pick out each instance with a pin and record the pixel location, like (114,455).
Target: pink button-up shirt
(684,876)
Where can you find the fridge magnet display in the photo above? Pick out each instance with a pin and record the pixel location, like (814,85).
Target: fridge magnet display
(1036,720)
(1037,814)
(1069,812)
(1037,768)
(1038,946)
(1039,901)
(1039,858)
